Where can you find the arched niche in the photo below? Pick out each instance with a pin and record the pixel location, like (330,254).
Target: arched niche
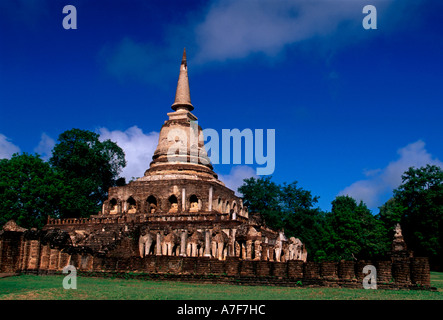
(131,205)
(173,204)
(113,205)
(227,207)
(194,203)
(151,204)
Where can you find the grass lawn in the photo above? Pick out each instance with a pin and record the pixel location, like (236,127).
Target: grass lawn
(30,287)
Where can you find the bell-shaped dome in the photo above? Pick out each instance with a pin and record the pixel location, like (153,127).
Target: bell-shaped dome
(181,151)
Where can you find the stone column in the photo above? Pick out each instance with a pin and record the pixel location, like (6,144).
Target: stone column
(231,251)
(286,254)
(189,249)
(169,248)
(34,259)
(277,251)
(194,252)
(164,248)
(148,244)
(183,244)
(237,249)
(183,200)
(220,250)
(207,244)
(249,249)
(243,251)
(158,245)
(53,259)
(214,249)
(264,252)
(23,254)
(44,260)
(257,248)
(271,253)
(210,199)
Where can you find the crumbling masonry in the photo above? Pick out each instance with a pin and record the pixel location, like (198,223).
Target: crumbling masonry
(180,220)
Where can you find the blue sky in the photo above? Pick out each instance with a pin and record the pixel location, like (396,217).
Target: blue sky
(351,108)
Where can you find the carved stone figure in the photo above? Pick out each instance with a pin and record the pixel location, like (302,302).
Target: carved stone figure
(145,242)
(398,244)
(132,209)
(219,242)
(278,247)
(399,249)
(295,249)
(210,222)
(169,242)
(195,242)
(174,208)
(194,207)
(114,209)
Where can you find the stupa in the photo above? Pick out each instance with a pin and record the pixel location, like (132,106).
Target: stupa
(179,206)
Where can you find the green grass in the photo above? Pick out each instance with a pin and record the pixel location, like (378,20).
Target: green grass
(31,287)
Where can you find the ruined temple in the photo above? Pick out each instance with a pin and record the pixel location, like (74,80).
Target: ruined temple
(180,222)
(180,207)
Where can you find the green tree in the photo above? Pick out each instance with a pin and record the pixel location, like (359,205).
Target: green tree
(263,196)
(391,213)
(301,219)
(354,233)
(420,206)
(29,190)
(287,207)
(89,167)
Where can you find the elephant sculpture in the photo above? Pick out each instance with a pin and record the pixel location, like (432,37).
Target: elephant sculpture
(145,242)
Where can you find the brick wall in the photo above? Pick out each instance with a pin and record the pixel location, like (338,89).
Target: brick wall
(18,253)
(10,254)
(420,271)
(401,274)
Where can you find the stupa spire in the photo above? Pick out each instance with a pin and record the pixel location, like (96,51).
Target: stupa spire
(182,95)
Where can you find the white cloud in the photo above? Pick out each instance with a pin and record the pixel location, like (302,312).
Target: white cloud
(138,147)
(45,146)
(381,182)
(7,148)
(234,29)
(234,179)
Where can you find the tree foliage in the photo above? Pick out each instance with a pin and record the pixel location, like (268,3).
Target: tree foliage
(82,168)
(353,232)
(30,189)
(263,196)
(73,183)
(285,207)
(419,209)
(349,231)
(88,166)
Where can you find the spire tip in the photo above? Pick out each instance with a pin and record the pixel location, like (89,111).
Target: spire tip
(184,57)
